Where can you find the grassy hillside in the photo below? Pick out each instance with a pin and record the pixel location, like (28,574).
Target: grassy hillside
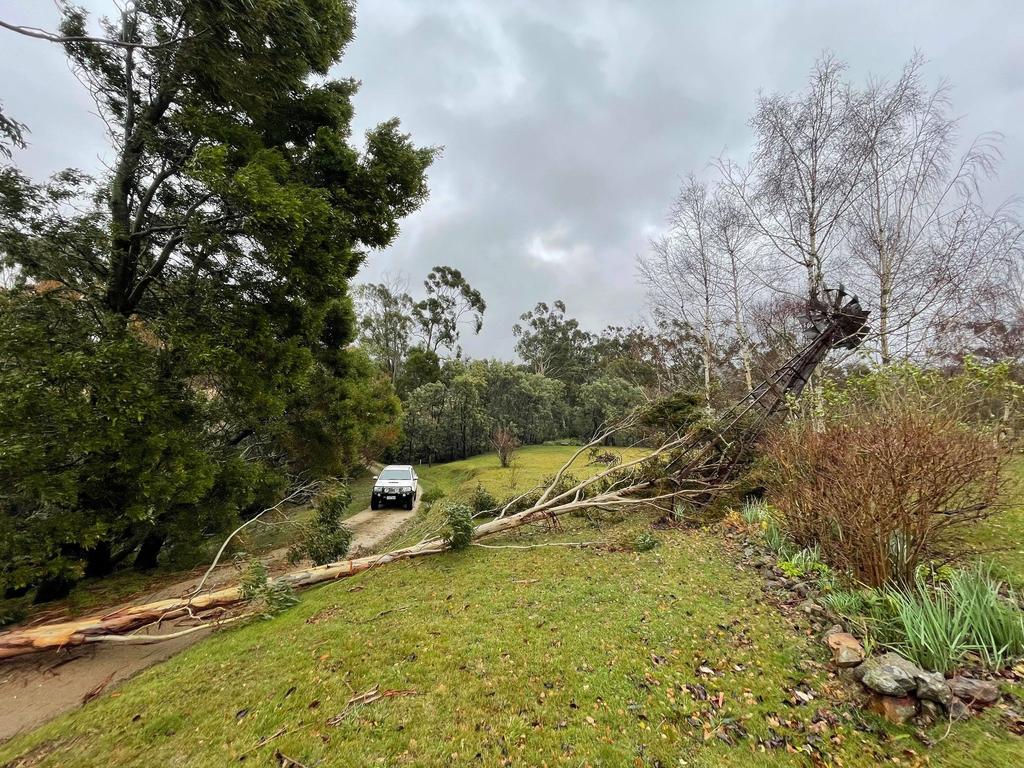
(537,656)
(1001,537)
(531,465)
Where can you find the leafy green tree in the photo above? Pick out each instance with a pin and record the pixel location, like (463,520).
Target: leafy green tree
(601,402)
(12,134)
(385,325)
(531,406)
(178,341)
(421,367)
(552,344)
(450,302)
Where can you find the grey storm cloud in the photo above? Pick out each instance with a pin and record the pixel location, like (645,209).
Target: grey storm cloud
(567,126)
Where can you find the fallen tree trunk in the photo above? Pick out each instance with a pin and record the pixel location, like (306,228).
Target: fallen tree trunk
(685,466)
(18,642)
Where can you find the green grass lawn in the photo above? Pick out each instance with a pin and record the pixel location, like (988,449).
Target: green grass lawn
(458,480)
(1001,537)
(521,657)
(530,466)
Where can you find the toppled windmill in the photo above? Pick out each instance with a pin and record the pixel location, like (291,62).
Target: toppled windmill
(690,464)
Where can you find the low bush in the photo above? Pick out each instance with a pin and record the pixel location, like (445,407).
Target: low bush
(458,525)
(431,496)
(325,539)
(482,500)
(644,542)
(804,563)
(880,489)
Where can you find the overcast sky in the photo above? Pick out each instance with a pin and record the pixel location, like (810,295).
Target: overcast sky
(567,126)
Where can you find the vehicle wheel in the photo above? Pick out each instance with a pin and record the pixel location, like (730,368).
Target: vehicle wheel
(409,502)
(374,504)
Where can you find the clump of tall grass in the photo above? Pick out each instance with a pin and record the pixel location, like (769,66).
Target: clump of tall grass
(755,512)
(938,625)
(778,542)
(996,623)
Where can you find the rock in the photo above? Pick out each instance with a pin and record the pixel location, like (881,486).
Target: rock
(774,584)
(895,709)
(930,712)
(846,649)
(811,608)
(891,674)
(974,691)
(803,589)
(932,686)
(958,710)
(834,629)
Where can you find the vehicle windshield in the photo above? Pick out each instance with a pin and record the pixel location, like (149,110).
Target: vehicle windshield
(395,474)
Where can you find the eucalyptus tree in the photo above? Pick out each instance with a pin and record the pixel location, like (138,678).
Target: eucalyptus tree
(385,325)
(450,303)
(552,344)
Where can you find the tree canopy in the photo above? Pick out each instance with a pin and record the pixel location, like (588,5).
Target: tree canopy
(176,344)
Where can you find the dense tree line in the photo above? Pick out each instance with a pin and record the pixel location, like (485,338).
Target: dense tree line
(568,383)
(175,334)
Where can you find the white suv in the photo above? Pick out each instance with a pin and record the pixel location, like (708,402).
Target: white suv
(396,483)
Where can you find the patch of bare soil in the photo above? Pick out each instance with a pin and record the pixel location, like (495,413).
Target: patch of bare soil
(35,689)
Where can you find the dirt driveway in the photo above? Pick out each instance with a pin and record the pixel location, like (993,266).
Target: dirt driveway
(38,688)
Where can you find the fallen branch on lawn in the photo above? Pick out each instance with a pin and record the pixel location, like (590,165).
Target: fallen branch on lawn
(578,544)
(688,465)
(370,696)
(136,639)
(302,491)
(621,483)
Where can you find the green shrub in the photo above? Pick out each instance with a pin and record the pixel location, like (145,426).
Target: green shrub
(482,500)
(13,610)
(325,540)
(267,597)
(644,542)
(458,525)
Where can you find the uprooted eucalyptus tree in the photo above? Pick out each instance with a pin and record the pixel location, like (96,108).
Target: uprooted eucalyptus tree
(692,462)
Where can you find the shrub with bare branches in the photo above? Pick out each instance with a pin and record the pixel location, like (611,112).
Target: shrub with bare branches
(505,443)
(882,489)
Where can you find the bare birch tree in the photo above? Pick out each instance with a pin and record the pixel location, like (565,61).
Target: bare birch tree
(916,229)
(733,235)
(805,170)
(682,277)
